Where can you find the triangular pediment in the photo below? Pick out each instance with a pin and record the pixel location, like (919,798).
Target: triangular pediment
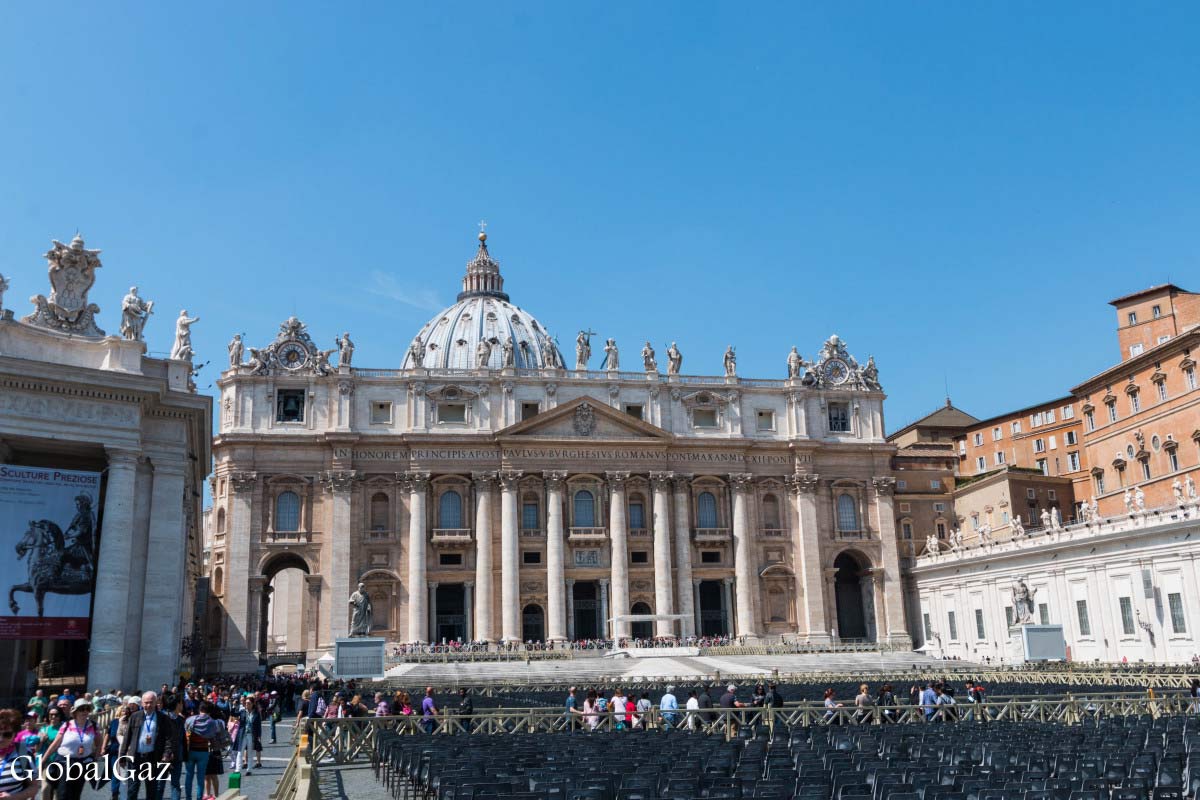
(586,418)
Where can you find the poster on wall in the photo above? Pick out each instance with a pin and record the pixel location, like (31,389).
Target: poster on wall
(48,540)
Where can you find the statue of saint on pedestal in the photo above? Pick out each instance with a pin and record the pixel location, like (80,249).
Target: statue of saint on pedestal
(612,356)
(1022,602)
(134,313)
(648,360)
(236,348)
(674,360)
(583,349)
(345,350)
(730,362)
(182,350)
(361,614)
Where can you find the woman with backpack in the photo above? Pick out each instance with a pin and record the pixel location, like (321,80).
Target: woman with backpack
(201,732)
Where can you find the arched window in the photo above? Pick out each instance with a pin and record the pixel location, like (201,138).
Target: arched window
(706,510)
(380,512)
(217,581)
(529,512)
(585,509)
(287,511)
(770,512)
(847,513)
(450,510)
(220,520)
(637,512)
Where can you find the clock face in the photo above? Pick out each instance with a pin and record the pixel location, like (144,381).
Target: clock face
(836,371)
(293,355)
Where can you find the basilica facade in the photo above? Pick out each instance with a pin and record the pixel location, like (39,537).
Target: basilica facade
(487,490)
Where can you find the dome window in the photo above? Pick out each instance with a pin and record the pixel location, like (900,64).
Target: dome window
(491,316)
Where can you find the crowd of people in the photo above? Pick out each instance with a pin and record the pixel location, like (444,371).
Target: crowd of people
(632,712)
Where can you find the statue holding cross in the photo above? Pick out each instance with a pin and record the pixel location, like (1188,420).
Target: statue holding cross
(583,349)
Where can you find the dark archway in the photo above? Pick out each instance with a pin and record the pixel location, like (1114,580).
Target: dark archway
(284,581)
(586,600)
(852,595)
(641,630)
(451,622)
(714,617)
(533,623)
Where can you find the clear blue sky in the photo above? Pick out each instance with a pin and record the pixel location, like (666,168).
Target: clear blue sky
(955,188)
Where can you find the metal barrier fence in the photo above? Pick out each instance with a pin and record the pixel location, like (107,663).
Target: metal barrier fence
(344,740)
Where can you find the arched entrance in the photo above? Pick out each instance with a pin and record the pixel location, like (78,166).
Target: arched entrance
(714,616)
(585,597)
(282,627)
(451,622)
(855,599)
(533,623)
(641,630)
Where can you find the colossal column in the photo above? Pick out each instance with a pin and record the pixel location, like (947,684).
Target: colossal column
(744,568)
(556,622)
(620,553)
(418,623)
(683,558)
(510,551)
(112,593)
(340,484)
(165,574)
(811,610)
(469,598)
(484,483)
(661,484)
(893,628)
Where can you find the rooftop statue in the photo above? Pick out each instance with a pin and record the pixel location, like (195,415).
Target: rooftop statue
(182,350)
(134,313)
(72,273)
(674,360)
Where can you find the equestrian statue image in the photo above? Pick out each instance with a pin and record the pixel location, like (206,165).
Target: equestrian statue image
(57,562)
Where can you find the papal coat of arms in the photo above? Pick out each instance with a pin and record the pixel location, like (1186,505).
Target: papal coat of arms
(72,273)
(585,420)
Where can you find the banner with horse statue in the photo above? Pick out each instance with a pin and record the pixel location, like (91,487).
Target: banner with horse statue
(48,518)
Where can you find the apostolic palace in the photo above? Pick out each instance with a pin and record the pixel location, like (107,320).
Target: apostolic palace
(486,490)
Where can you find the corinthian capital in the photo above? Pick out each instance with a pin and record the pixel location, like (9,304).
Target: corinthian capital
(616,480)
(661,481)
(509,479)
(681,482)
(804,482)
(741,481)
(555,480)
(339,480)
(243,482)
(884,485)
(484,481)
(416,482)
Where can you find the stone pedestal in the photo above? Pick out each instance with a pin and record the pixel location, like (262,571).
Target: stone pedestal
(359,657)
(1014,651)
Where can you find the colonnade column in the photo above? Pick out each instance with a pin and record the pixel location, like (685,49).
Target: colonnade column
(688,595)
(418,622)
(893,627)
(606,631)
(433,628)
(556,618)
(510,552)
(340,484)
(727,593)
(811,610)
(112,594)
(744,567)
(570,583)
(620,553)
(661,483)
(469,602)
(484,483)
(165,574)
(697,628)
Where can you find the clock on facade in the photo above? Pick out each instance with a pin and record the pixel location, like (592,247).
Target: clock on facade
(836,371)
(292,355)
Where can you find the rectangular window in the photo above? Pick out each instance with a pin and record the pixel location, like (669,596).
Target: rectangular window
(1132,318)
(1008,615)
(289,405)
(1053,443)
(1043,466)
(1068,412)
(953,625)
(906,530)
(1085,625)
(1126,616)
(1089,421)
(978,439)
(1099,483)
(704,418)
(1175,601)
(939,508)
(452,413)
(1189,377)
(1031,494)
(1112,411)
(634,411)
(639,556)
(1049,416)
(1071,438)
(637,516)
(1156,311)
(710,556)
(1039,445)
(1135,403)
(1173,460)
(766,420)
(1044,613)
(531,557)
(1146,469)
(381,412)
(1166,337)
(1073,461)
(902,484)
(450,559)
(905,508)
(839,418)
(1016,426)
(1052,495)
(1136,350)
(936,483)
(941,530)
(1162,390)
(996,434)
(529,516)
(979,632)
(928,626)
(980,463)
(529,410)
(999,458)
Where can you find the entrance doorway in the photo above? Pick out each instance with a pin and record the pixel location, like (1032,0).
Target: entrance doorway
(451,612)
(855,599)
(641,630)
(714,617)
(586,598)
(284,603)
(533,623)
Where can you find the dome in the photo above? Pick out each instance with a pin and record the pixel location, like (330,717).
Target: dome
(451,340)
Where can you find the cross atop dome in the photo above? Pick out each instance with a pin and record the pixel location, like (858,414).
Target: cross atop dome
(483,277)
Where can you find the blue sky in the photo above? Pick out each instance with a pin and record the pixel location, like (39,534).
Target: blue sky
(955,188)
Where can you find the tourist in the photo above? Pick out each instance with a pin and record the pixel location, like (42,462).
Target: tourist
(886,700)
(382,709)
(76,740)
(669,706)
(773,699)
(200,733)
(37,704)
(928,698)
(705,704)
(643,709)
(591,710)
(147,741)
(618,709)
(831,706)
(466,709)
(759,698)
(693,711)
(26,739)
(18,777)
(571,706)
(173,706)
(406,707)
(274,712)
(863,702)
(429,711)
(729,703)
(249,736)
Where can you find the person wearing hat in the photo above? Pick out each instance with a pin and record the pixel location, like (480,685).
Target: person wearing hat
(26,739)
(76,740)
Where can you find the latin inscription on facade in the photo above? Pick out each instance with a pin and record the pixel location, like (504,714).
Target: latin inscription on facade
(563,454)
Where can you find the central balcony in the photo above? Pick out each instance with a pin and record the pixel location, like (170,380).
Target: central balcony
(290,537)
(593,535)
(451,537)
(532,533)
(710,535)
(639,532)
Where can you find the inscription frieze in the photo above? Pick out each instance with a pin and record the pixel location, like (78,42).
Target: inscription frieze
(419,454)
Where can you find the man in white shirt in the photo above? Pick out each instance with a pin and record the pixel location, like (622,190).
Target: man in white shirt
(693,706)
(668,706)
